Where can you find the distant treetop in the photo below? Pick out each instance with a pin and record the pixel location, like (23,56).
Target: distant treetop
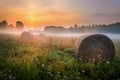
(19,25)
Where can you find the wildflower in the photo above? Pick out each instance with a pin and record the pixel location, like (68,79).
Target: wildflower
(78,78)
(5,74)
(65,77)
(93,59)
(81,58)
(58,72)
(43,65)
(107,62)
(9,70)
(10,76)
(51,74)
(83,71)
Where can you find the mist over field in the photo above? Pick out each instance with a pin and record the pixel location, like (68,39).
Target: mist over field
(51,56)
(59,39)
(39,32)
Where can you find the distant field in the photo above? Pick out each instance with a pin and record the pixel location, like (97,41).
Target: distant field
(50,58)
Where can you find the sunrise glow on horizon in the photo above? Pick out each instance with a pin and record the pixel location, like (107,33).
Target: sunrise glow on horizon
(35,13)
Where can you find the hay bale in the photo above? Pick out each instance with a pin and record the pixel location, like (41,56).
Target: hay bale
(26,35)
(95,47)
(42,35)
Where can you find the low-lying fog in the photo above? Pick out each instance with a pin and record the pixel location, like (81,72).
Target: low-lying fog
(37,33)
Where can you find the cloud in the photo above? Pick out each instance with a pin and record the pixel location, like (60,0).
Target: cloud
(12,3)
(66,11)
(104,17)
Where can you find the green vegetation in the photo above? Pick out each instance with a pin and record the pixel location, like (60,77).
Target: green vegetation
(41,59)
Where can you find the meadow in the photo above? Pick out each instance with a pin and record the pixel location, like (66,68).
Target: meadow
(51,58)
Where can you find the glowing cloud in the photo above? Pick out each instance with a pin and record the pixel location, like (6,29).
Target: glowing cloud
(59,12)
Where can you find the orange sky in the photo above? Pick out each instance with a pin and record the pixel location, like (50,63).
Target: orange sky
(36,13)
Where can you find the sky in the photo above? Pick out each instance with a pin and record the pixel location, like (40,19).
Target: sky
(39,13)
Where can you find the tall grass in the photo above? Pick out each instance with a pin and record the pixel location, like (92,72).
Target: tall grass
(50,58)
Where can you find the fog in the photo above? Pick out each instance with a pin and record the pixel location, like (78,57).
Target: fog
(37,33)
(11,32)
(110,35)
(113,36)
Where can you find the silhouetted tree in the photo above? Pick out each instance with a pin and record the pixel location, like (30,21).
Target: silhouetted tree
(56,29)
(3,24)
(19,25)
(10,26)
(75,25)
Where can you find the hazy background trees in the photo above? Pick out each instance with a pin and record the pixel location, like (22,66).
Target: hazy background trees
(110,28)
(19,25)
(4,25)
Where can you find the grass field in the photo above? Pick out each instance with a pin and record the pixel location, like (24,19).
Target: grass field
(50,59)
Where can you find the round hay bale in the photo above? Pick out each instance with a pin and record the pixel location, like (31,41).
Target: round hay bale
(94,47)
(42,35)
(26,35)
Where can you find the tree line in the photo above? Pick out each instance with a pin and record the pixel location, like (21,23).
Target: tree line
(109,28)
(18,25)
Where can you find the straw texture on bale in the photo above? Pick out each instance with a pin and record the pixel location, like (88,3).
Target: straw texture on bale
(26,35)
(94,47)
